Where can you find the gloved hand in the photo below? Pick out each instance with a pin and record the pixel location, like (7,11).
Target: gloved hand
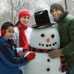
(29,55)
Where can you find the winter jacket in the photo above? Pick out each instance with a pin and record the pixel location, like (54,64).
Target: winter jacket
(9,63)
(66,31)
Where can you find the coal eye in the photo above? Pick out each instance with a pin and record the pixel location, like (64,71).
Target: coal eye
(52,35)
(42,35)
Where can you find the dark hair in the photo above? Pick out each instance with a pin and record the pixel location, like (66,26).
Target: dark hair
(57,7)
(6,25)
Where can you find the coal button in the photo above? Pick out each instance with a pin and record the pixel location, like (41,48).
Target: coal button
(48,69)
(48,60)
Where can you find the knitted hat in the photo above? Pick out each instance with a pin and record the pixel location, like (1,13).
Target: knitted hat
(24,12)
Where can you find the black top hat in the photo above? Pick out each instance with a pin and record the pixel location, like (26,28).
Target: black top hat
(42,18)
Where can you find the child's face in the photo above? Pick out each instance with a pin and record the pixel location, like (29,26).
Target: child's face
(24,20)
(9,32)
(56,13)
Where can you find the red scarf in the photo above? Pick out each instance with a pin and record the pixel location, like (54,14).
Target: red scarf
(22,36)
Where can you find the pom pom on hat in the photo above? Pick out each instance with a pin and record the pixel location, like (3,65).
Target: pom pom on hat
(24,12)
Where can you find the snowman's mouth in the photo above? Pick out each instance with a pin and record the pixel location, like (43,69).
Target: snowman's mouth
(47,45)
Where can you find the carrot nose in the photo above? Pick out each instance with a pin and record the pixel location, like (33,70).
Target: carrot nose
(48,40)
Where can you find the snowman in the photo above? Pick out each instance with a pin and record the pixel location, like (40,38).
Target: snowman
(44,38)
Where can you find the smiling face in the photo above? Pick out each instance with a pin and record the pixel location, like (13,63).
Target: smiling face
(47,38)
(24,20)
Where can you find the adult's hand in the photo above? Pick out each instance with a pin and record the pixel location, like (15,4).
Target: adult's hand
(55,53)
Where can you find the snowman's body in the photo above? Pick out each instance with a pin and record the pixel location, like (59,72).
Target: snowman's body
(47,39)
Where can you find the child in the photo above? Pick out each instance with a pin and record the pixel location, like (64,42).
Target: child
(20,33)
(22,25)
(8,51)
(7,46)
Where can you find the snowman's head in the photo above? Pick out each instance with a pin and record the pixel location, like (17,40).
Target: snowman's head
(47,38)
